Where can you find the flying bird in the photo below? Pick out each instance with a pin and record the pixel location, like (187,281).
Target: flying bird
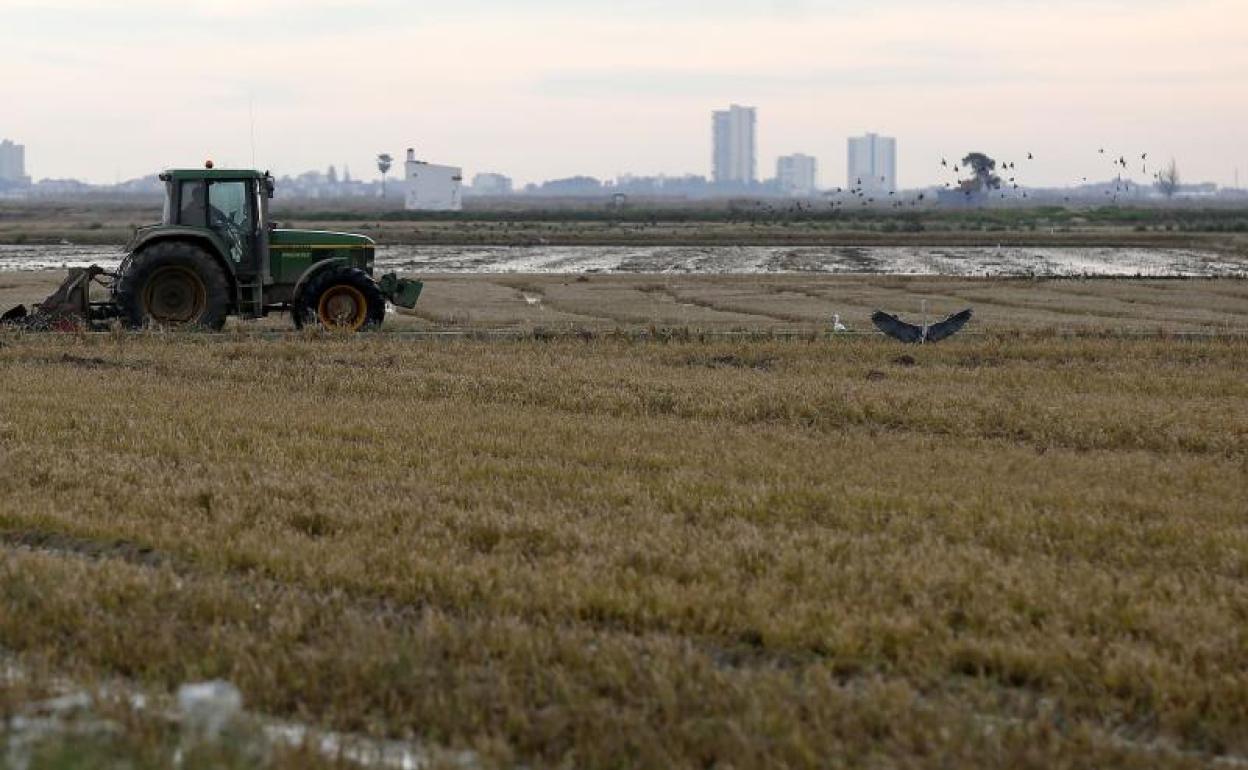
(1030,157)
(908,332)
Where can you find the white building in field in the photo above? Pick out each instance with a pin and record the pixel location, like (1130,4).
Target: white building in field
(873,163)
(431,187)
(795,175)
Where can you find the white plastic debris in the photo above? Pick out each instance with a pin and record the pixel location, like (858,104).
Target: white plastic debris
(207,708)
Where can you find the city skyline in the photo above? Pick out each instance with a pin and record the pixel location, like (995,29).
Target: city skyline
(553,90)
(871,168)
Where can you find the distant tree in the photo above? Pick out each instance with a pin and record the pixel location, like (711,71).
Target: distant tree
(384,162)
(982,169)
(331,175)
(1168,179)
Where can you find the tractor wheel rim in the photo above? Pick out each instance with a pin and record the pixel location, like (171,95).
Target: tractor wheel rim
(175,295)
(342,307)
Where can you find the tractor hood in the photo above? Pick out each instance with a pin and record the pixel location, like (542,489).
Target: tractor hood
(319,238)
(295,254)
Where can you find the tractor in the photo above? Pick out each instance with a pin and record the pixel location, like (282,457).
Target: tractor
(215,254)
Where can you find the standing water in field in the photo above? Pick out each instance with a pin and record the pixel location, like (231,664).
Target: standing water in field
(841,260)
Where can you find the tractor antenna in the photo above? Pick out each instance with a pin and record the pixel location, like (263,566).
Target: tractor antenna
(251,116)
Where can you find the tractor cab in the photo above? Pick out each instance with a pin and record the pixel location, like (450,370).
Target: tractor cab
(232,206)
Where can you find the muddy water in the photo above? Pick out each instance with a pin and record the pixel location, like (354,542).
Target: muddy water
(843,260)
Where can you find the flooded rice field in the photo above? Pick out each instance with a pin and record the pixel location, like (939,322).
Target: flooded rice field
(840,260)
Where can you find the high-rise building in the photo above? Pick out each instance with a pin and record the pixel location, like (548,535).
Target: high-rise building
(734,155)
(873,163)
(795,174)
(12,162)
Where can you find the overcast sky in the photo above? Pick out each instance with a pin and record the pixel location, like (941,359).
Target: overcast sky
(549,88)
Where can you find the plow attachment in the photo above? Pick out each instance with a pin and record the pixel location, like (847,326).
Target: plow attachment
(67,309)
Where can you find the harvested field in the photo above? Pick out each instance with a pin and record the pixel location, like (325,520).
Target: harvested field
(1005,550)
(803,303)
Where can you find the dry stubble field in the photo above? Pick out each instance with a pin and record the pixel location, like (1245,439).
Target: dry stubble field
(781,302)
(1014,550)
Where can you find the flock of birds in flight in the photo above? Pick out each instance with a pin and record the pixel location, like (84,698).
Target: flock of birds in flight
(865,193)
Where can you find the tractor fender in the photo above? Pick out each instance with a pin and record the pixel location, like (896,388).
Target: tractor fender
(311,273)
(205,238)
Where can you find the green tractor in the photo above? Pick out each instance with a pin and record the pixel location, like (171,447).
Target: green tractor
(216,254)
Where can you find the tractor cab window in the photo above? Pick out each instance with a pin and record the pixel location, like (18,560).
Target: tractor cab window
(194,205)
(229,213)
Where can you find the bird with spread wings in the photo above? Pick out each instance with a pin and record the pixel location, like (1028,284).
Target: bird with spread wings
(908,332)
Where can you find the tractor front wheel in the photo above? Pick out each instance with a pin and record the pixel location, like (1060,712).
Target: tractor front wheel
(343,299)
(173,283)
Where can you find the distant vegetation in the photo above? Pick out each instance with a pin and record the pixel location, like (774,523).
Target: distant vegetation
(1217,219)
(642,223)
(1195,220)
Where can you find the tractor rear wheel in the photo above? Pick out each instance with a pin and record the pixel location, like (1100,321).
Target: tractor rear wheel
(340,298)
(173,283)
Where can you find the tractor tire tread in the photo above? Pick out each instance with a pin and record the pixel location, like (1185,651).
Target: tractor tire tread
(139,266)
(301,310)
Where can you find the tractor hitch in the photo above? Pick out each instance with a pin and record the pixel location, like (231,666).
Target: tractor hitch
(67,309)
(400,291)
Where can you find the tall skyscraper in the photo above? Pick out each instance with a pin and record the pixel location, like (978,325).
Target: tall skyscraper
(12,162)
(734,157)
(873,163)
(795,174)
